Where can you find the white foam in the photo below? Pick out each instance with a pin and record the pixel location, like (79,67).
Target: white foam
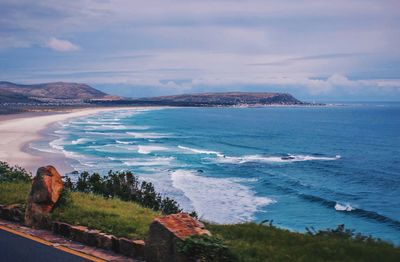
(61,132)
(110,148)
(150,148)
(344,207)
(113,127)
(99,133)
(42,149)
(79,141)
(312,158)
(201,151)
(123,142)
(271,159)
(219,200)
(147,135)
(155,161)
(57,144)
(138,127)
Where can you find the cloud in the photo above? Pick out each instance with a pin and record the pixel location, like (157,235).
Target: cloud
(318,47)
(61,45)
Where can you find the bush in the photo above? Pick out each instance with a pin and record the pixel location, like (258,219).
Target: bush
(125,186)
(206,248)
(13,174)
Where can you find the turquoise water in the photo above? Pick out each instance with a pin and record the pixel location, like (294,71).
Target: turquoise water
(301,167)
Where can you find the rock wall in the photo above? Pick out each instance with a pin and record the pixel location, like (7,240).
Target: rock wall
(166,233)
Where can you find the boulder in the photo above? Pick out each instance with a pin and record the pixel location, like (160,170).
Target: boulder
(46,189)
(167,232)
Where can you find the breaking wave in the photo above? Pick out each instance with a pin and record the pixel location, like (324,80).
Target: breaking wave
(200,151)
(147,135)
(149,149)
(272,159)
(353,211)
(220,200)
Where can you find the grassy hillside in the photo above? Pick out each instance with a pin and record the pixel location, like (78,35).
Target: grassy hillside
(114,216)
(252,242)
(120,218)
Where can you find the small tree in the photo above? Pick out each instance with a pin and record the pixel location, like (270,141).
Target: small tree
(13,173)
(127,187)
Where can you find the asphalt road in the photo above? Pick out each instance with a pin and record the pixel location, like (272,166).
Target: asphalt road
(17,248)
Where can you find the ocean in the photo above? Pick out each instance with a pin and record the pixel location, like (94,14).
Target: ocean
(298,166)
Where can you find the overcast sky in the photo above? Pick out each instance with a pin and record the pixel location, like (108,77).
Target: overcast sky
(316,50)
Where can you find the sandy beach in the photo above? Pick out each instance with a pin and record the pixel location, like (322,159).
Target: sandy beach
(17,131)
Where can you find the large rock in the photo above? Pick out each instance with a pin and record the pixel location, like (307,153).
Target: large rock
(166,233)
(46,189)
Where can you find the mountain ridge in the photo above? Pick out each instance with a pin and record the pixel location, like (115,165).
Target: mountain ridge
(65,93)
(53,90)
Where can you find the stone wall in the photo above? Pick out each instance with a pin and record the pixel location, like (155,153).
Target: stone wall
(167,232)
(128,247)
(15,213)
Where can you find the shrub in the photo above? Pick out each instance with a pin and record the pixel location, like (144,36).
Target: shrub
(13,173)
(206,248)
(125,186)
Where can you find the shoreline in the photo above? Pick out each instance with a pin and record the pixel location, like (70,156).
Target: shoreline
(19,130)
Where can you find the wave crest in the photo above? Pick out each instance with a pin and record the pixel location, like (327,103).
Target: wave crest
(220,200)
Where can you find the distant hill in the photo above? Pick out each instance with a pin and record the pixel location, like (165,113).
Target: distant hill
(71,94)
(15,93)
(227,99)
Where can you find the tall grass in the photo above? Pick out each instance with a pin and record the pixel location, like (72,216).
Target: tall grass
(255,243)
(14,193)
(113,216)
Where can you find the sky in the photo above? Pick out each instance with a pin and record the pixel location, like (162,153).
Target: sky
(316,50)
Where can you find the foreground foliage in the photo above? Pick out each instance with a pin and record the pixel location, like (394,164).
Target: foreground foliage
(125,186)
(253,242)
(243,242)
(14,193)
(206,248)
(113,216)
(120,218)
(13,173)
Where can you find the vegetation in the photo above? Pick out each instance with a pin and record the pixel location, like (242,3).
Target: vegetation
(13,174)
(98,203)
(14,184)
(113,216)
(125,186)
(14,193)
(252,242)
(206,248)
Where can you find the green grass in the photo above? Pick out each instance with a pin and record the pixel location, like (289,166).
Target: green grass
(14,193)
(113,216)
(251,242)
